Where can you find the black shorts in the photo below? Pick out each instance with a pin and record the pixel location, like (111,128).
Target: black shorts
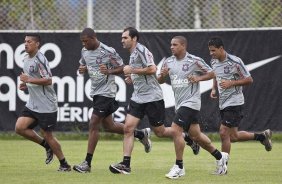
(104,106)
(186,116)
(231,116)
(154,110)
(46,121)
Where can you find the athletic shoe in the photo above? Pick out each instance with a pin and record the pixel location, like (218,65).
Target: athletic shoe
(221,165)
(119,168)
(49,156)
(83,167)
(267,141)
(64,168)
(189,142)
(175,172)
(146,140)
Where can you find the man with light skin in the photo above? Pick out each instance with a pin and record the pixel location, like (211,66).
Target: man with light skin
(185,72)
(147,97)
(102,62)
(41,107)
(230,76)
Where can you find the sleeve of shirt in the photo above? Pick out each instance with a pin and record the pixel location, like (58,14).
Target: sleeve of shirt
(203,66)
(242,70)
(116,60)
(44,69)
(164,65)
(147,58)
(82,61)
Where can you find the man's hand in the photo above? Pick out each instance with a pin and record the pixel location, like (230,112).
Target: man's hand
(128,79)
(103,69)
(164,72)
(23,86)
(225,84)
(127,69)
(82,69)
(213,93)
(193,78)
(24,77)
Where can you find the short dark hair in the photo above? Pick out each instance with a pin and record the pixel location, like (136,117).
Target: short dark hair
(89,32)
(132,32)
(216,42)
(36,37)
(182,40)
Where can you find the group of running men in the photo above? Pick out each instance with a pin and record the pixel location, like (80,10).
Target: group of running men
(102,63)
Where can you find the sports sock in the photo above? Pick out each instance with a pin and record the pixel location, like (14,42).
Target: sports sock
(45,144)
(259,137)
(188,140)
(88,158)
(179,163)
(217,154)
(138,134)
(126,161)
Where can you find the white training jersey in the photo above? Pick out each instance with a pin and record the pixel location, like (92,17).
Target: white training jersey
(101,84)
(186,93)
(232,68)
(146,87)
(42,98)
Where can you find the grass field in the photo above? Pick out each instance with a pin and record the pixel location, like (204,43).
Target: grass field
(22,162)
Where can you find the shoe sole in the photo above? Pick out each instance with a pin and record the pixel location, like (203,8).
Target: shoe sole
(150,143)
(47,163)
(79,170)
(175,177)
(148,134)
(196,152)
(267,142)
(117,171)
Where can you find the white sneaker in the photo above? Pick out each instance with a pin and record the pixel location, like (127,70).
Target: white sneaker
(175,172)
(221,165)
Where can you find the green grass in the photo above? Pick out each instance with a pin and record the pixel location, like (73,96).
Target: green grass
(22,162)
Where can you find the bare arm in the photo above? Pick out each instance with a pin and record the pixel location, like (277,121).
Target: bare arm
(140,71)
(225,84)
(39,81)
(162,76)
(104,70)
(206,76)
(214,89)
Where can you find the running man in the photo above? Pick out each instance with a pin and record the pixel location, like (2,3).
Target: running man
(231,75)
(147,97)
(102,63)
(185,72)
(41,107)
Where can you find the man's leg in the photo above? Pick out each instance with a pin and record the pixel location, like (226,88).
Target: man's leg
(23,128)
(203,140)
(225,133)
(57,150)
(131,123)
(93,137)
(114,127)
(264,137)
(179,144)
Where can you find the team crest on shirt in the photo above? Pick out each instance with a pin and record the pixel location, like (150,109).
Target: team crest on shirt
(31,69)
(99,60)
(185,67)
(226,69)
